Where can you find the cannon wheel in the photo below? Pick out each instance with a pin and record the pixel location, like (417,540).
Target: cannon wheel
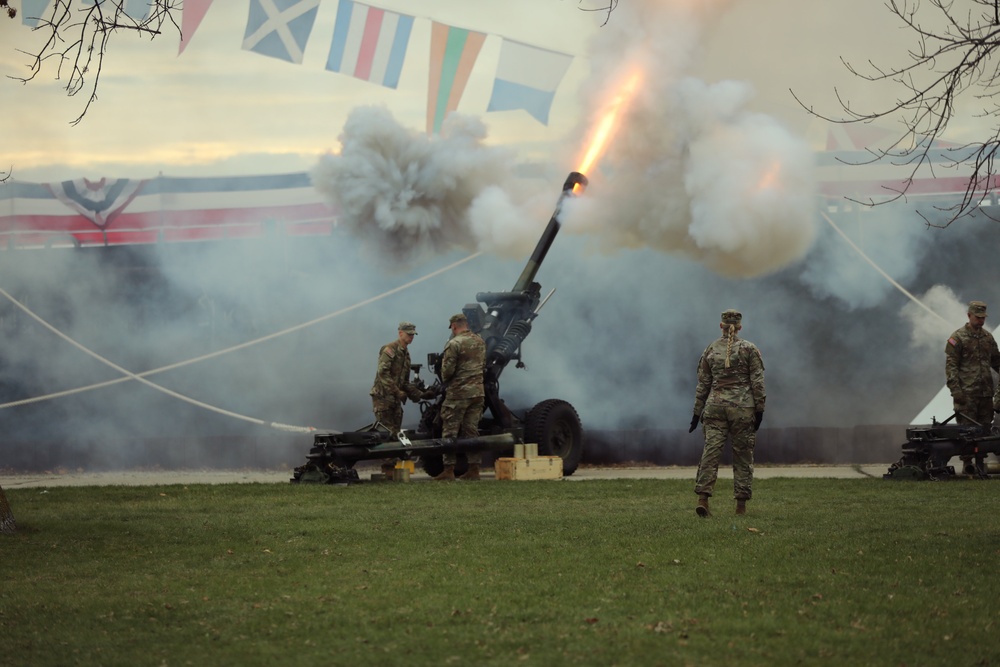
(433,464)
(555,426)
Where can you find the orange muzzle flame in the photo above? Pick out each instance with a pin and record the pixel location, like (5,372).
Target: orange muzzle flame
(609,122)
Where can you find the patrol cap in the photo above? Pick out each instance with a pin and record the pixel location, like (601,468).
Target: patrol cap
(732,316)
(977,308)
(408,327)
(458,317)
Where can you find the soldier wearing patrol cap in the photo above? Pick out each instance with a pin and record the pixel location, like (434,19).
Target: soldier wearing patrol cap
(970,353)
(729,402)
(392,384)
(462,364)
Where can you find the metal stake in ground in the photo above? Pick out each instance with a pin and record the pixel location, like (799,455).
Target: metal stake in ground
(7,524)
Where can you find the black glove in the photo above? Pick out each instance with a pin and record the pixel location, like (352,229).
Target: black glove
(758,417)
(431,392)
(694,423)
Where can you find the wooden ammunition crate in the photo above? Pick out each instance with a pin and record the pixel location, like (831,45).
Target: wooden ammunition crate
(537,467)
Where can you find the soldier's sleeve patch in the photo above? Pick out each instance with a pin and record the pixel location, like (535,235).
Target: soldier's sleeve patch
(389,352)
(953,342)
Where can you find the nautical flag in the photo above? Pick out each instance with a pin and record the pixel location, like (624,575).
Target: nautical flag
(527,78)
(369,43)
(280,28)
(33,10)
(192,12)
(138,10)
(453,53)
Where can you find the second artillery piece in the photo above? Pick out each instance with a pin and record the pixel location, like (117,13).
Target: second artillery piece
(504,320)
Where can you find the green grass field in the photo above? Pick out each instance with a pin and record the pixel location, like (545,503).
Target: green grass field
(831,572)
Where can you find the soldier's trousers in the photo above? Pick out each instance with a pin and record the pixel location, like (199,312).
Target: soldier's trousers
(389,413)
(720,423)
(460,419)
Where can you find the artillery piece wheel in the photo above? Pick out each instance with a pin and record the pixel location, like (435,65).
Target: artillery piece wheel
(555,426)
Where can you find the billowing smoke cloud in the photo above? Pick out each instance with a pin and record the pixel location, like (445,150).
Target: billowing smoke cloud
(690,170)
(930,325)
(410,196)
(698,205)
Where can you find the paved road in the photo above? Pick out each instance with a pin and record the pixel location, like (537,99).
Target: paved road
(146,478)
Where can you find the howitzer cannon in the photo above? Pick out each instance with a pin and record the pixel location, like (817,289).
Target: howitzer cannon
(503,320)
(928,450)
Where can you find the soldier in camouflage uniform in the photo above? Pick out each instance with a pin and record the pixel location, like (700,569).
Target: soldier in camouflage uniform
(729,402)
(462,364)
(970,353)
(392,384)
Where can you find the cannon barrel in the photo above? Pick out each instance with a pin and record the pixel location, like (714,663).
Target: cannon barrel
(542,247)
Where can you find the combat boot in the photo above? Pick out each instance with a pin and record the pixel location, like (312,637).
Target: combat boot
(447,475)
(387,469)
(702,508)
(741,506)
(472,474)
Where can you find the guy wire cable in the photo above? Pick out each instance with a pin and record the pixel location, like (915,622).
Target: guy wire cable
(877,268)
(140,377)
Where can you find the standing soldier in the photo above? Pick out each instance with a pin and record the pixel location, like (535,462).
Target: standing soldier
(392,385)
(462,365)
(729,402)
(969,355)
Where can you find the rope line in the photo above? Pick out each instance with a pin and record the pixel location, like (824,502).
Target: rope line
(141,377)
(877,268)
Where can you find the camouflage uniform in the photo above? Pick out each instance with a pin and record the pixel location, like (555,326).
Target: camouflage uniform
(726,399)
(392,385)
(462,364)
(969,356)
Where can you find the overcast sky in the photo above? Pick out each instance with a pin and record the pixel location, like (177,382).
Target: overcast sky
(217,108)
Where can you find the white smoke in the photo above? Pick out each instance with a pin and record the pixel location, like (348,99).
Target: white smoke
(930,330)
(888,235)
(410,195)
(690,169)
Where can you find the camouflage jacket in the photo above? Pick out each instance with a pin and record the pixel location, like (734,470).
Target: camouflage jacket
(462,365)
(392,379)
(969,356)
(739,386)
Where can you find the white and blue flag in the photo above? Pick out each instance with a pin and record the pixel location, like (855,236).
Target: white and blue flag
(527,78)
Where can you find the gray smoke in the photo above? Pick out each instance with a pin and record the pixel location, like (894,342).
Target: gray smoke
(700,204)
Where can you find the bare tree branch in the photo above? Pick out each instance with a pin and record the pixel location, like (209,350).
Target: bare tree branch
(610,7)
(955,57)
(78,40)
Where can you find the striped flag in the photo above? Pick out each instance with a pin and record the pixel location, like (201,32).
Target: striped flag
(527,78)
(280,28)
(369,43)
(33,10)
(453,53)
